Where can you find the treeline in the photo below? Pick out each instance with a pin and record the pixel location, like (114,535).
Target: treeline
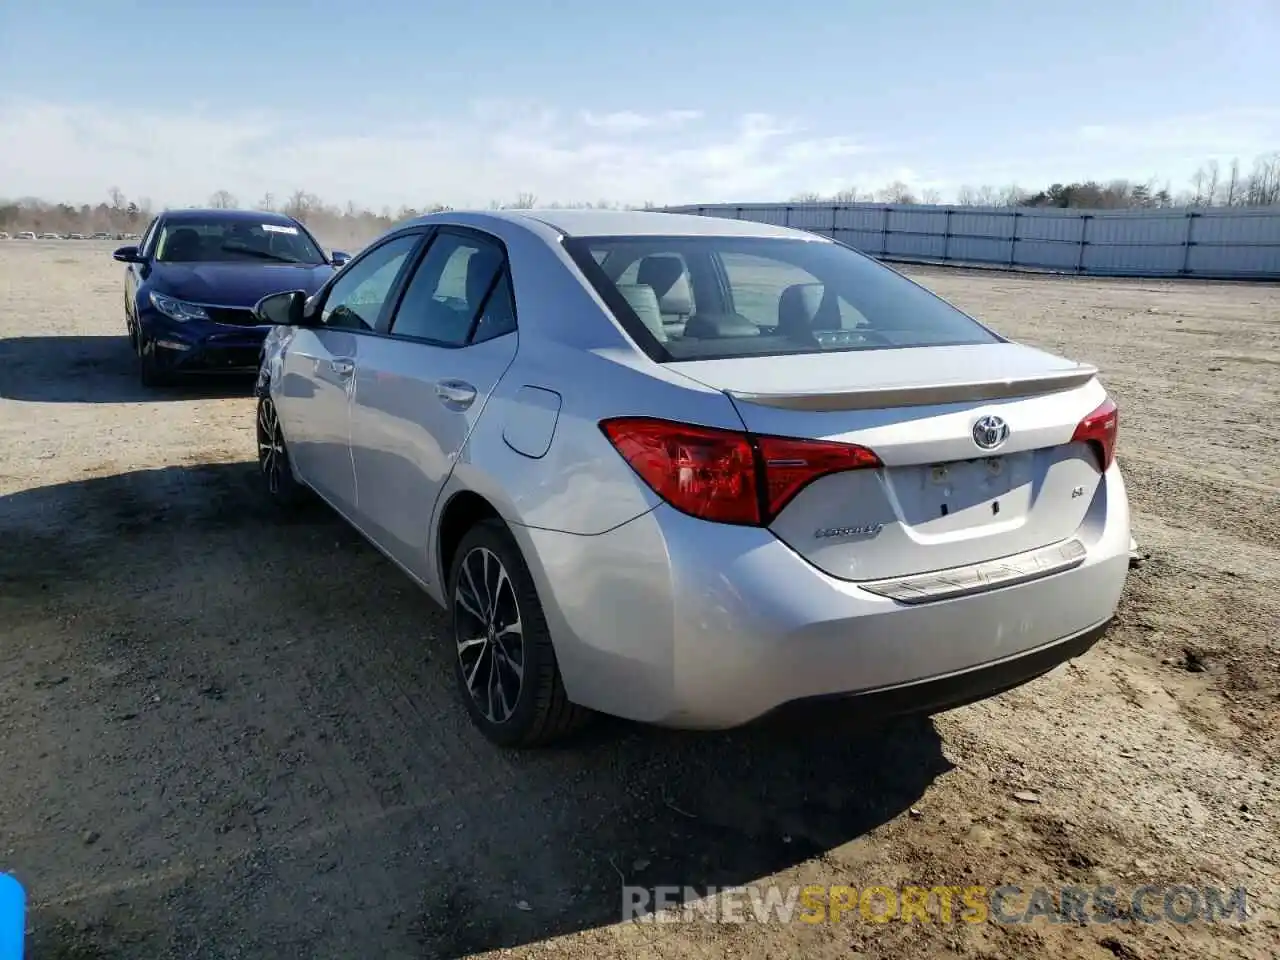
(349,225)
(118,215)
(1211,186)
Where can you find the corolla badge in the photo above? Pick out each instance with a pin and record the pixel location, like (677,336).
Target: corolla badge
(862,530)
(989,432)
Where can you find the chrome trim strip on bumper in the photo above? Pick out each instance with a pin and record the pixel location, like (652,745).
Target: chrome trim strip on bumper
(977,577)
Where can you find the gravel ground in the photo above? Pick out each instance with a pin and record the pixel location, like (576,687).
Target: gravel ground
(230,736)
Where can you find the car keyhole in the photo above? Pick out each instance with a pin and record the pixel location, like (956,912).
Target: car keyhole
(995,507)
(944,510)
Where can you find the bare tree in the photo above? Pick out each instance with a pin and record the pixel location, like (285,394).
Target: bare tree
(1211,184)
(930,196)
(1198,181)
(1233,183)
(268,202)
(1012,196)
(117,198)
(896,192)
(1264,182)
(523,201)
(222,200)
(302,204)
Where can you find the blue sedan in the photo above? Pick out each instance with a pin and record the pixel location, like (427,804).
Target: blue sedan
(194,278)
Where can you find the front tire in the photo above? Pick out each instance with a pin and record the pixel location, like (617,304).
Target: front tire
(150,373)
(505,664)
(273,459)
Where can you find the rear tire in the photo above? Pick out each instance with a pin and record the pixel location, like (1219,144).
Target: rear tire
(505,663)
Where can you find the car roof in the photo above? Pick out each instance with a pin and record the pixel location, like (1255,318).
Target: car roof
(243,216)
(626,223)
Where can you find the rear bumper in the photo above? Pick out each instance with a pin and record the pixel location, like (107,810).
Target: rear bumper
(671,620)
(965,687)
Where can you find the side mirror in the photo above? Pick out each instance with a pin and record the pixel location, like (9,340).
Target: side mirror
(281,309)
(128,255)
(338,258)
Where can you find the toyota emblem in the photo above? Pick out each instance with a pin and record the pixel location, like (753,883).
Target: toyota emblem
(989,432)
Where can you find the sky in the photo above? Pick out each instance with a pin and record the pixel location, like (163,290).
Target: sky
(463,102)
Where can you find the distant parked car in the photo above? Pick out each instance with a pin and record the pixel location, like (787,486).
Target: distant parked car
(24,235)
(101,236)
(690,470)
(194,278)
(3,235)
(49,236)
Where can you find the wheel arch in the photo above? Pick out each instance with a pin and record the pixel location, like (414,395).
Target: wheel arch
(463,510)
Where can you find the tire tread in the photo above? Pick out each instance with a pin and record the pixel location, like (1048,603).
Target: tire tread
(554,715)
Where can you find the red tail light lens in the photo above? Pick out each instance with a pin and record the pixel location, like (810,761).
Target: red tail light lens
(1099,429)
(791,465)
(725,475)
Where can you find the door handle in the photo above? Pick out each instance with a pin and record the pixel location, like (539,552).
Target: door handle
(455,394)
(342,368)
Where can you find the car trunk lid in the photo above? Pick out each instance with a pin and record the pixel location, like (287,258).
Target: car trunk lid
(940,499)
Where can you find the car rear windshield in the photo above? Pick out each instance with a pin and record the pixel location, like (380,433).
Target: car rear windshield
(693,298)
(227,240)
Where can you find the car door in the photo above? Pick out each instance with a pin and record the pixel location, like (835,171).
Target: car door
(420,390)
(318,368)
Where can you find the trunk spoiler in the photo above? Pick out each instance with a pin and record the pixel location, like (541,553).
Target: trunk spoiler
(920,395)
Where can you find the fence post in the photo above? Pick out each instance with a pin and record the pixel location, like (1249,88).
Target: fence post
(1188,243)
(1013,241)
(1084,240)
(946,237)
(884,232)
(835,212)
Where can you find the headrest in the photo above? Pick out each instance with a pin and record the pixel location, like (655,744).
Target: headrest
(641,298)
(712,326)
(665,273)
(805,307)
(482,265)
(183,243)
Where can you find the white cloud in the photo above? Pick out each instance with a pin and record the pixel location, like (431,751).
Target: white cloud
(497,150)
(1237,129)
(628,121)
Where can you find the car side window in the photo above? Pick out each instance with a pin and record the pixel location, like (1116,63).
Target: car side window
(144,245)
(358,294)
(499,315)
(452,289)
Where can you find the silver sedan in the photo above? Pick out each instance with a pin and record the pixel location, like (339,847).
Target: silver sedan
(689,471)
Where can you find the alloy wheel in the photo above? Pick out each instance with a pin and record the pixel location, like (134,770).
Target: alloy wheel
(489,634)
(271,453)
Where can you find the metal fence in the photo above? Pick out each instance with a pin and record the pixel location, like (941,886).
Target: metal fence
(1228,243)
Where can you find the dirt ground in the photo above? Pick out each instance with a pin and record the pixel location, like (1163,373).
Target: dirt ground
(229,736)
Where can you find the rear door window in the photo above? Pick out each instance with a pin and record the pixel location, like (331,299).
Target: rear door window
(459,294)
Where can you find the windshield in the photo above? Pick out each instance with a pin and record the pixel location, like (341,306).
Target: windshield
(226,240)
(690,298)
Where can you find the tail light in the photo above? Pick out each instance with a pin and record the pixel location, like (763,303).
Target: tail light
(1099,430)
(725,475)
